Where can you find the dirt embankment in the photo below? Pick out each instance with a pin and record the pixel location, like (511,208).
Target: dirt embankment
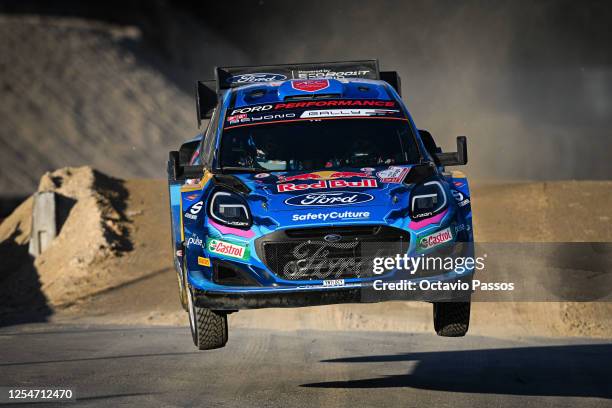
(557,211)
(112,261)
(95,247)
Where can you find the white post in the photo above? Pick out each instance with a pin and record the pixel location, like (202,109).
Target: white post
(44,222)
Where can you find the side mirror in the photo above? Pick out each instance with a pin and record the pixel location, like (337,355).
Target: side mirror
(177,171)
(458,158)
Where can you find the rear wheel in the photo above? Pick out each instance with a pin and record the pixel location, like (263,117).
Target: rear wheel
(451,319)
(208,328)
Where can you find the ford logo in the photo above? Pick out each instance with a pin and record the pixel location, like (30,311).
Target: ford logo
(329,199)
(255,77)
(332,238)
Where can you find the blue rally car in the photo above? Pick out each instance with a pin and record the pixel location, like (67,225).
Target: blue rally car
(304,176)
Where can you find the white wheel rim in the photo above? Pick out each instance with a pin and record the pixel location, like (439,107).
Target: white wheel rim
(191,308)
(181,287)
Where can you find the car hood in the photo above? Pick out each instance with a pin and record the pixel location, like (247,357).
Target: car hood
(367,195)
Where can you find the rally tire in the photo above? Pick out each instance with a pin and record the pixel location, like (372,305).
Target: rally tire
(208,328)
(451,319)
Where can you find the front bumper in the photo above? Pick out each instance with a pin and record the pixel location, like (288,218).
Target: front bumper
(318,296)
(281,299)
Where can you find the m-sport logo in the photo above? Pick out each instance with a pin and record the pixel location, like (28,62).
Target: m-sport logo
(255,77)
(329,199)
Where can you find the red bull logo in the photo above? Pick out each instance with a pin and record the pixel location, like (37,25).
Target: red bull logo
(321,184)
(327,179)
(326,175)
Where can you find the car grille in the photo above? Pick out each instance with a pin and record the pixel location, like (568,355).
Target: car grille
(304,254)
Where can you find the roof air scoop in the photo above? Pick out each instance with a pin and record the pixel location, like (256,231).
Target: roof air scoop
(310,89)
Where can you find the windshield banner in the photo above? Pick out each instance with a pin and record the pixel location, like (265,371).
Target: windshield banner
(311,110)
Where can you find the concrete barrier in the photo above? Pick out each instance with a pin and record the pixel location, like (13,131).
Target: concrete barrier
(44,222)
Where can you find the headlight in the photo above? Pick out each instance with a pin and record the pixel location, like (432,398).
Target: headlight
(229,209)
(427,199)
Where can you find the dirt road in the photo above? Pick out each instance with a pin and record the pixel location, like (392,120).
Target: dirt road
(157,366)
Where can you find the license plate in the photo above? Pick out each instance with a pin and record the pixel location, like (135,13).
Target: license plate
(333,282)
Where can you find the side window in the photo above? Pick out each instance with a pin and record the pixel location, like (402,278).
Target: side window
(208,145)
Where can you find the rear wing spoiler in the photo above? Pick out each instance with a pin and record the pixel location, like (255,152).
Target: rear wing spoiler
(206,96)
(231,77)
(208,92)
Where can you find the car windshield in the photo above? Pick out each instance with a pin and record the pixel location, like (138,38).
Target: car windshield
(310,145)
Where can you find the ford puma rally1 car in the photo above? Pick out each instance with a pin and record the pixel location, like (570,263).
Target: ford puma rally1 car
(305,175)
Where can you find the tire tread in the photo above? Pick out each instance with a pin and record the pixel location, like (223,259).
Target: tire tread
(211,329)
(451,319)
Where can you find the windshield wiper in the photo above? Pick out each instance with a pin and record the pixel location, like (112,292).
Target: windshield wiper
(244,169)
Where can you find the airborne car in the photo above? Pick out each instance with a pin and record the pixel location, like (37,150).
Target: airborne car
(304,174)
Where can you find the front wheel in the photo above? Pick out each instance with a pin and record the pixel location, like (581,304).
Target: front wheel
(451,319)
(182,290)
(208,328)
